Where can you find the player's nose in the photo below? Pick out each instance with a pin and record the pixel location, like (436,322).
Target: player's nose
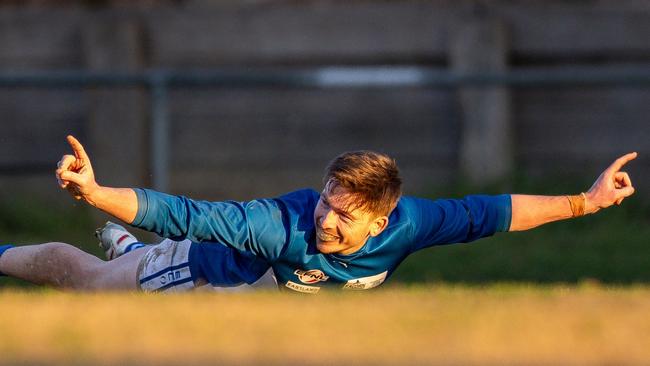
(328,220)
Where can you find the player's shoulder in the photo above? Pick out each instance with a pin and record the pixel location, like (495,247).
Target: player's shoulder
(415,210)
(412,205)
(300,197)
(406,211)
(302,200)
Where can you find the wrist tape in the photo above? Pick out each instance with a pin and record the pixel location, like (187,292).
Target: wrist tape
(577,203)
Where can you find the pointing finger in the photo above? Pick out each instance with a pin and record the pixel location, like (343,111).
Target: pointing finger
(78,149)
(618,163)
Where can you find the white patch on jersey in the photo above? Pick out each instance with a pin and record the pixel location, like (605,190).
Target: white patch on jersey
(365,283)
(302,288)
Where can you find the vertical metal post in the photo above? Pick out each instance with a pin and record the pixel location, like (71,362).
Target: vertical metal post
(159,131)
(480,46)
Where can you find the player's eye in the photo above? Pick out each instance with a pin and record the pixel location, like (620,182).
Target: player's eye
(346,220)
(323,201)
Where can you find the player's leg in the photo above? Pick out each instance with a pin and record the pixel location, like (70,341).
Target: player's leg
(211,264)
(169,266)
(65,266)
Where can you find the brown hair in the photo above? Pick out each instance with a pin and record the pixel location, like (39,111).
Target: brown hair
(372,178)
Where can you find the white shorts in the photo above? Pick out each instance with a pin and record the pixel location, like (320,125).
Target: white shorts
(166,267)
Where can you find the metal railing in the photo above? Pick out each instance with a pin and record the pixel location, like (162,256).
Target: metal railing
(159,81)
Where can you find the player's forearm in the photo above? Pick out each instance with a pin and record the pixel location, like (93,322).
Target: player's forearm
(530,211)
(119,202)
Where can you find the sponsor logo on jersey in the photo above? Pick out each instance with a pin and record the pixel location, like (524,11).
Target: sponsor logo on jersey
(170,276)
(302,288)
(365,283)
(311,276)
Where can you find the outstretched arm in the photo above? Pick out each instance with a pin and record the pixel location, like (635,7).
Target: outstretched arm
(244,226)
(611,187)
(75,174)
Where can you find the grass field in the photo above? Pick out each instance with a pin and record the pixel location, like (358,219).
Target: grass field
(443,324)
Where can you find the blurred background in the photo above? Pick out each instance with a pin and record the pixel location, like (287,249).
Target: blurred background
(246,99)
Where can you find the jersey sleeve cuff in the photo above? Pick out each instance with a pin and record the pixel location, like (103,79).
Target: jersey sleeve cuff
(3,249)
(143,206)
(504,212)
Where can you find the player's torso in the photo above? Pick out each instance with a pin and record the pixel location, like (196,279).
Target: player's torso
(302,268)
(322,273)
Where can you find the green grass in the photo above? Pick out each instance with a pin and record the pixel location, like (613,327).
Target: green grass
(27,220)
(410,325)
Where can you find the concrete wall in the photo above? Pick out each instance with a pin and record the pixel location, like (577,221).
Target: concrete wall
(244,143)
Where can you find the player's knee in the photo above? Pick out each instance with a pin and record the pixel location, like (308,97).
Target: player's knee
(75,270)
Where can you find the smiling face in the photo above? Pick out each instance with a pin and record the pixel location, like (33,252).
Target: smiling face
(361,189)
(342,227)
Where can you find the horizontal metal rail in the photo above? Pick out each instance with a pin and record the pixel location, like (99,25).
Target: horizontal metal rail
(159,81)
(331,77)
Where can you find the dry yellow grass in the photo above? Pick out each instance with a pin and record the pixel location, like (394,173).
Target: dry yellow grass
(426,325)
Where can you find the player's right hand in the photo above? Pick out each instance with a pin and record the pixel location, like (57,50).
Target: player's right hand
(75,173)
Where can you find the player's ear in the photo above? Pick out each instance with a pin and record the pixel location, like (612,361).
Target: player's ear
(378,225)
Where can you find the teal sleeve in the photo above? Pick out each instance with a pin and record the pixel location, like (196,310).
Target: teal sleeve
(143,205)
(4,248)
(504,212)
(448,221)
(256,226)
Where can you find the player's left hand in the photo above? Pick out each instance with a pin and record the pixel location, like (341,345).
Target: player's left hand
(75,173)
(611,187)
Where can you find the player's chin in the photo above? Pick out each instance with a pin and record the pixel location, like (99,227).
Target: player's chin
(326,247)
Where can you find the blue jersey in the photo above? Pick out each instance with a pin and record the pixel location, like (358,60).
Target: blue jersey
(281,231)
